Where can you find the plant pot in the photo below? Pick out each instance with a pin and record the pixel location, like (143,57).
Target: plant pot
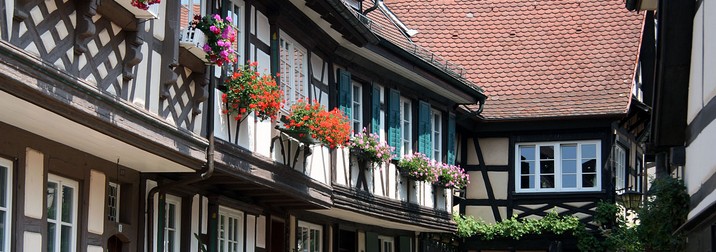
(300,135)
(362,155)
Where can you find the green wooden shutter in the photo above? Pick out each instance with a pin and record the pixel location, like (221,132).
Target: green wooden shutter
(404,244)
(375,109)
(394,121)
(344,92)
(371,242)
(424,141)
(451,139)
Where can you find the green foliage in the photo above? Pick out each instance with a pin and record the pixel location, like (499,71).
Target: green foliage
(664,210)
(515,228)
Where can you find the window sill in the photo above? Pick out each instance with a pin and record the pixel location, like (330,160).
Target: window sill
(586,195)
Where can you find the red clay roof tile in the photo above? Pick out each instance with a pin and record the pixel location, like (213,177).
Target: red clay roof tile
(534,58)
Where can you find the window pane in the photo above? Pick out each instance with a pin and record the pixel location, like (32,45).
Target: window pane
(170,219)
(546,167)
(547,181)
(170,241)
(51,196)
(66,239)
(589,180)
(527,153)
(527,182)
(569,180)
(51,237)
(589,165)
(528,167)
(67,203)
(546,152)
(589,151)
(569,151)
(569,166)
(3,224)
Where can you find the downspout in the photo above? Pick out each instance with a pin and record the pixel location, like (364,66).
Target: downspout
(375,6)
(206,171)
(471,113)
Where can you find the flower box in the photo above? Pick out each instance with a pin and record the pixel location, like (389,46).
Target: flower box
(302,136)
(368,147)
(151,13)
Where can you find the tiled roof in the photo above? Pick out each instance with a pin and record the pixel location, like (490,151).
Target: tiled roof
(534,59)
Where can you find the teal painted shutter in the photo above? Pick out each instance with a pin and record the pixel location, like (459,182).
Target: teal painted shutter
(371,242)
(451,139)
(394,121)
(404,245)
(344,92)
(375,109)
(424,140)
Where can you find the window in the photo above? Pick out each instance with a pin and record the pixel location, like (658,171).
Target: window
(293,70)
(436,136)
(5,204)
(386,243)
(237,20)
(172,217)
(356,111)
(308,237)
(113,202)
(406,130)
(61,214)
(189,9)
(231,230)
(619,157)
(568,166)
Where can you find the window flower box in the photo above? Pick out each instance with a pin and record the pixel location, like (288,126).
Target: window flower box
(416,167)
(152,11)
(330,128)
(368,147)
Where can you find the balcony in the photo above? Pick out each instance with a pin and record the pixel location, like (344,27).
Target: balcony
(192,40)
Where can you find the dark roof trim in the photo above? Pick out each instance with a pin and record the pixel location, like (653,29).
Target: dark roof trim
(350,22)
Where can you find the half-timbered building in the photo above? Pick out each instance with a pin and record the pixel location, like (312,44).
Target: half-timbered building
(112,137)
(559,130)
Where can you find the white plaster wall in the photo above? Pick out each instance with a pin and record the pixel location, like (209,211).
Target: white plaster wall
(140,92)
(709,56)
(250,233)
(195,222)
(361,241)
(480,212)
(261,232)
(95,215)
(34,183)
(498,180)
(32,241)
(10,12)
(471,153)
(697,61)
(318,164)
(342,172)
(700,164)
(476,189)
(160,23)
(292,233)
(495,151)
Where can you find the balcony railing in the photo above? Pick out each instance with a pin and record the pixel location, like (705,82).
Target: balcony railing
(193,40)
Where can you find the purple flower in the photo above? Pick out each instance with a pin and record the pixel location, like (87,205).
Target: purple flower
(228,19)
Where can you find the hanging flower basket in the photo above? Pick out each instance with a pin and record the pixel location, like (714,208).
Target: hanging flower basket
(368,146)
(416,166)
(144,4)
(220,37)
(302,135)
(451,176)
(248,91)
(330,128)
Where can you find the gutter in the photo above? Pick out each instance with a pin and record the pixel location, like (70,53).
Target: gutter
(206,172)
(353,22)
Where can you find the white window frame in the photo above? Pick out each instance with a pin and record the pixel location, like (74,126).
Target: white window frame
(406,141)
(7,229)
(436,134)
(381,118)
(356,107)
(310,227)
(290,96)
(558,167)
(238,20)
(61,183)
(386,241)
(117,189)
(224,214)
(620,158)
(176,201)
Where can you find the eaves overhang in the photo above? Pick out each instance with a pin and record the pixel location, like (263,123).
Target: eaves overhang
(338,14)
